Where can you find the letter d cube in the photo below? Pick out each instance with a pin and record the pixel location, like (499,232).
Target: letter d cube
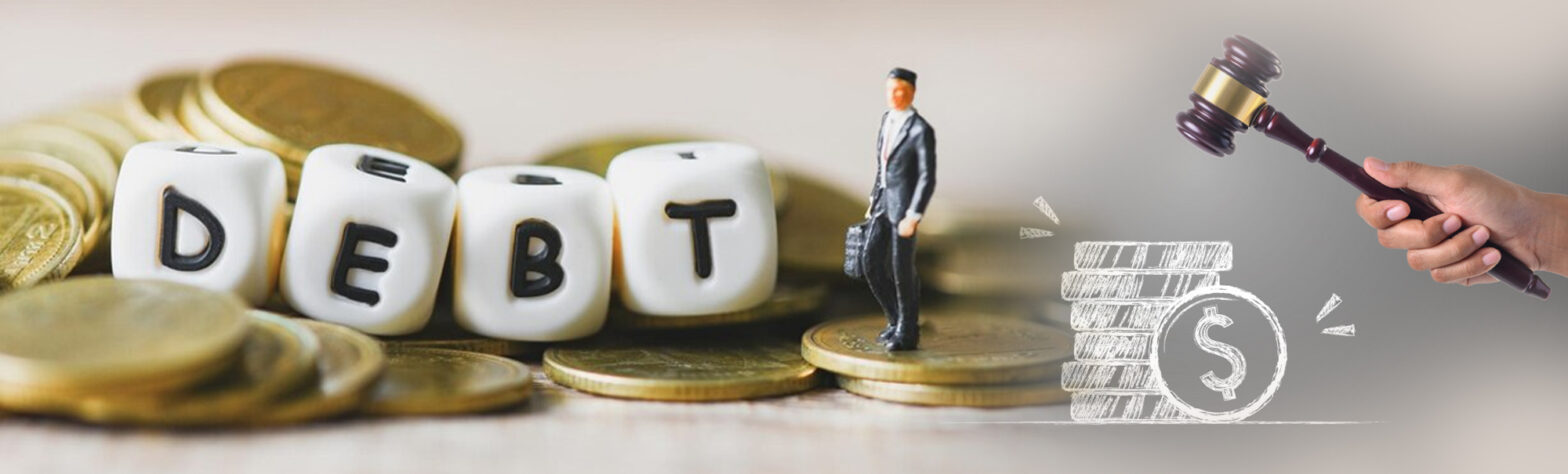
(695,228)
(368,238)
(204,215)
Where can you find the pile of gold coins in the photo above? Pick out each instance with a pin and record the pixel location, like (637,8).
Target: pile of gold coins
(139,352)
(290,108)
(135,352)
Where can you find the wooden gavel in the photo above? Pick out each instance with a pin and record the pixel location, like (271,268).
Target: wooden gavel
(1230,97)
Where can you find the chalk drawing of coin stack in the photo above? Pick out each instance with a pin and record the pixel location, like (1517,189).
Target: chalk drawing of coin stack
(1119,292)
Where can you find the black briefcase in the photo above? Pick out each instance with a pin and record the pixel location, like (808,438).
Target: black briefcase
(854,248)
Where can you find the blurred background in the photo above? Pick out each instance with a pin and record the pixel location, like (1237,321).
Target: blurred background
(1072,101)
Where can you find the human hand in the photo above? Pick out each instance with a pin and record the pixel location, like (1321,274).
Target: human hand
(1528,224)
(906,227)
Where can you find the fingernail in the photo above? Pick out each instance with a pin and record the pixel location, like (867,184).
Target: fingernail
(1480,235)
(1451,225)
(1491,258)
(1397,212)
(1377,164)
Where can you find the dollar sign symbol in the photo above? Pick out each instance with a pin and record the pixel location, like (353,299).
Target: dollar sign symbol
(1238,365)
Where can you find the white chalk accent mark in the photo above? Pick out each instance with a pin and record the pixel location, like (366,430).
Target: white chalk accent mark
(1348,330)
(1329,306)
(1026,233)
(1039,203)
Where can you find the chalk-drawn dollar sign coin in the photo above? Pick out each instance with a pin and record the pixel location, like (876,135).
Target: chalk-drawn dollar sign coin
(1209,349)
(1238,363)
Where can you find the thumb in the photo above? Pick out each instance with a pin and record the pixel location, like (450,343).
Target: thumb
(1418,177)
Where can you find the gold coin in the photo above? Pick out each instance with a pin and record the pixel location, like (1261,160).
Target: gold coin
(40,234)
(100,333)
(1002,395)
(422,381)
(194,119)
(69,146)
(690,369)
(291,108)
(349,364)
(811,228)
(277,356)
(64,179)
(595,155)
(788,299)
(152,109)
(954,349)
(109,133)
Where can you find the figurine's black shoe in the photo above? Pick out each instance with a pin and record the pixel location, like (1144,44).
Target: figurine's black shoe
(903,341)
(887,335)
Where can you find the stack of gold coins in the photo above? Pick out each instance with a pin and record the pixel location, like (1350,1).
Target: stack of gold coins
(57,177)
(962,359)
(290,108)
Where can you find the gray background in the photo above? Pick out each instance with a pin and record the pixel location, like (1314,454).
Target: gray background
(1072,101)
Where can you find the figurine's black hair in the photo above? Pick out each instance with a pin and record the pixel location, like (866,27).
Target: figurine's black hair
(902,75)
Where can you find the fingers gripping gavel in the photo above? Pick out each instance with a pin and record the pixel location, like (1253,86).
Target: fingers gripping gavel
(1229,97)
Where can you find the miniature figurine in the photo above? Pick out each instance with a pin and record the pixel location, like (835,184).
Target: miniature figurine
(906,176)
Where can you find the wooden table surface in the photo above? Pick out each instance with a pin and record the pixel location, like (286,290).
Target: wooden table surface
(559,429)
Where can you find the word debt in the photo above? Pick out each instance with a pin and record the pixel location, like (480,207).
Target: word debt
(679,229)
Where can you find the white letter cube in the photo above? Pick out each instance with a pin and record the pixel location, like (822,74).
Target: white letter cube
(532,252)
(200,214)
(666,198)
(368,239)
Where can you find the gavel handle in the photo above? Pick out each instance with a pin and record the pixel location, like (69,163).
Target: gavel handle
(1274,124)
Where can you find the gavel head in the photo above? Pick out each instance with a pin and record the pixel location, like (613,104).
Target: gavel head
(1228,95)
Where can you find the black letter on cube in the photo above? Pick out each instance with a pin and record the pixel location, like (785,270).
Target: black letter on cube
(348,259)
(544,263)
(699,213)
(204,150)
(383,168)
(534,180)
(168,255)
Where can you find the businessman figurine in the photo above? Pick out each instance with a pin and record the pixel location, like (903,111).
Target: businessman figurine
(906,176)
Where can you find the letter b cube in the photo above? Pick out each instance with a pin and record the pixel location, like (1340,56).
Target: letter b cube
(696,232)
(368,239)
(532,252)
(204,215)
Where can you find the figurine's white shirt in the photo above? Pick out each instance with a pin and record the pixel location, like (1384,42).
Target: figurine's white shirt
(892,130)
(892,133)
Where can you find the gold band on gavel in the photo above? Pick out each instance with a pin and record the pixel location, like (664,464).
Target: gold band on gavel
(1229,95)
